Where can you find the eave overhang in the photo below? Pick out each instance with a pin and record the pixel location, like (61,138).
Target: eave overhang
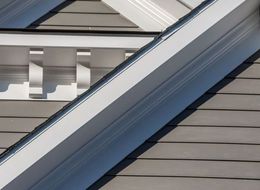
(86,139)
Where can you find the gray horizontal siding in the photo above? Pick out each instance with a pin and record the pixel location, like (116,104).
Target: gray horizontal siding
(84,7)
(180,183)
(188,168)
(8,139)
(246,71)
(208,135)
(228,102)
(87,28)
(18,118)
(14,124)
(90,20)
(220,118)
(238,86)
(1,150)
(213,144)
(197,151)
(29,108)
(84,15)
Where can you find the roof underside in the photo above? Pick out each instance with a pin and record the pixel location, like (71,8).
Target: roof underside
(214,143)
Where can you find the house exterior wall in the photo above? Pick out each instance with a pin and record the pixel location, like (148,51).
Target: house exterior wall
(213,143)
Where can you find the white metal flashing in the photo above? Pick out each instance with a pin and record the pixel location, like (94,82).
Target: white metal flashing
(144,13)
(92,136)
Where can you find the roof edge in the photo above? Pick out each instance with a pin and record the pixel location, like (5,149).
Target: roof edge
(20,14)
(209,49)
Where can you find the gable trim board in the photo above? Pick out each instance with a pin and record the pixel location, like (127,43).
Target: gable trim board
(120,119)
(146,14)
(190,3)
(20,14)
(133,40)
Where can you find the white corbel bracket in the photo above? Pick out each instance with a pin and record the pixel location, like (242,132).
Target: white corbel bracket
(35,73)
(83,74)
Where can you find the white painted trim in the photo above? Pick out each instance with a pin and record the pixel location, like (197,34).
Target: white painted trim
(48,40)
(35,73)
(144,13)
(21,13)
(191,4)
(164,103)
(83,73)
(152,90)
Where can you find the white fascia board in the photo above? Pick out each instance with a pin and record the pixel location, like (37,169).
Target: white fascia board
(144,13)
(21,13)
(77,41)
(191,3)
(79,146)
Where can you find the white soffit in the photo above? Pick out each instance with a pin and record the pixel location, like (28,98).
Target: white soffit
(144,13)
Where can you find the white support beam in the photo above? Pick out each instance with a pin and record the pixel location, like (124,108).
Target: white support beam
(79,41)
(144,13)
(35,73)
(83,73)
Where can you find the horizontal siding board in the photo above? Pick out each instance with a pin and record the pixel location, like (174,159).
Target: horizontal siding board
(221,169)
(228,101)
(86,28)
(103,20)
(2,150)
(246,71)
(197,151)
(29,108)
(169,183)
(84,6)
(213,142)
(8,139)
(237,86)
(218,118)
(208,134)
(19,124)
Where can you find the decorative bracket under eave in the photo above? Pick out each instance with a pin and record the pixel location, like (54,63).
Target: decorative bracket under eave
(83,74)
(35,73)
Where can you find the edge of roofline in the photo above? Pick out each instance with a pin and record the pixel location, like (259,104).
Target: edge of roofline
(206,63)
(76,32)
(146,14)
(74,171)
(20,14)
(74,41)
